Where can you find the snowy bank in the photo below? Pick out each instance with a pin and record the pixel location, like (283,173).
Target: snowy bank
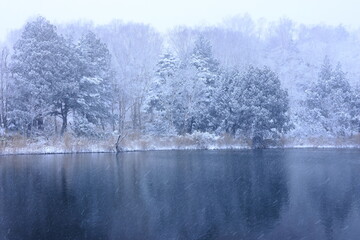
(195,141)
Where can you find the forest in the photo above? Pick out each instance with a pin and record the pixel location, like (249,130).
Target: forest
(240,83)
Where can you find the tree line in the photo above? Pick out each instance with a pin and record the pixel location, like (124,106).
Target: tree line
(55,80)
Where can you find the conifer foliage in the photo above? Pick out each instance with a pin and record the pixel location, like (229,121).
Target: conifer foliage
(55,77)
(329,101)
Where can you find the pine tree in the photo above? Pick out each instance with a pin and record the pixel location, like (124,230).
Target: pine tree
(261,106)
(229,101)
(65,91)
(329,102)
(36,68)
(341,103)
(159,87)
(355,109)
(94,99)
(203,114)
(52,76)
(160,99)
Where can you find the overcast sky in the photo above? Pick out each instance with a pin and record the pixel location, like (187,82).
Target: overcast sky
(164,14)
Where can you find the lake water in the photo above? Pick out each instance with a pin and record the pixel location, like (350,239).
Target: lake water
(250,194)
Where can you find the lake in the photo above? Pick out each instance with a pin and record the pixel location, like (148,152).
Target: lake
(242,194)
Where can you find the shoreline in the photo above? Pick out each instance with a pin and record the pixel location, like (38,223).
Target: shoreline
(44,152)
(69,144)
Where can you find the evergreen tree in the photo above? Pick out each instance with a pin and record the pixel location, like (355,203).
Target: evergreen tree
(341,103)
(66,90)
(36,68)
(160,100)
(203,114)
(355,109)
(261,106)
(94,99)
(329,102)
(160,86)
(229,101)
(52,76)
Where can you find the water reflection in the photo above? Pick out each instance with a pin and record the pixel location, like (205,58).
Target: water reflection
(270,194)
(332,191)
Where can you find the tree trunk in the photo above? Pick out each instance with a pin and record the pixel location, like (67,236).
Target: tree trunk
(40,123)
(113,115)
(118,147)
(28,130)
(64,123)
(122,113)
(258,142)
(56,127)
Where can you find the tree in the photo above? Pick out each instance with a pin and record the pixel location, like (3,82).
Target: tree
(54,77)
(329,101)
(135,49)
(229,101)
(36,67)
(261,106)
(161,97)
(94,98)
(66,90)
(355,106)
(203,114)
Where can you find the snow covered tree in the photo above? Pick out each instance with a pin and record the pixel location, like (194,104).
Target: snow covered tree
(36,67)
(341,104)
(203,114)
(329,102)
(52,76)
(160,98)
(135,49)
(65,91)
(166,69)
(260,106)
(94,98)
(229,101)
(355,107)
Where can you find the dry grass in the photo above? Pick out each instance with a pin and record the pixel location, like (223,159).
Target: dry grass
(351,141)
(108,144)
(69,143)
(184,141)
(14,142)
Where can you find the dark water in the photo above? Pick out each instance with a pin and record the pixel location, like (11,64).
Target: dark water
(269,194)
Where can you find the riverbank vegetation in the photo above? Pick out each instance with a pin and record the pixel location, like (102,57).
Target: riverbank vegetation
(77,87)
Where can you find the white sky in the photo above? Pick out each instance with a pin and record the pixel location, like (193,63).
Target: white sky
(164,14)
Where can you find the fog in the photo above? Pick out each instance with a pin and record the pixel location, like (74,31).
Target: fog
(164,14)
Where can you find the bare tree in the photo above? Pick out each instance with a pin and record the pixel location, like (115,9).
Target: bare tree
(135,49)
